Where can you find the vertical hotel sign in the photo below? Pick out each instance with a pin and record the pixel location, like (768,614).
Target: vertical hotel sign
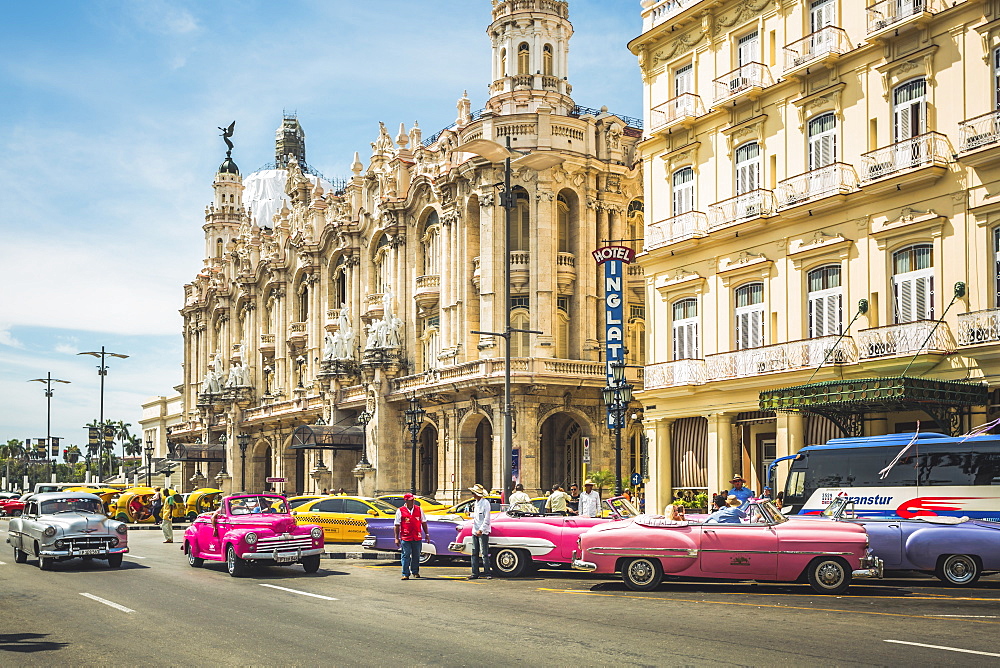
(614,259)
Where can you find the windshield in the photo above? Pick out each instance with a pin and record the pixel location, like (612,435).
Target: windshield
(71,505)
(257,505)
(765,511)
(622,507)
(836,507)
(383,506)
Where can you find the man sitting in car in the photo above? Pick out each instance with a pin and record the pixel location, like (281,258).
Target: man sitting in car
(732,514)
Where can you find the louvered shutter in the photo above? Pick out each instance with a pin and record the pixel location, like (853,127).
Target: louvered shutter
(684,80)
(821,14)
(683,182)
(747,50)
(747,168)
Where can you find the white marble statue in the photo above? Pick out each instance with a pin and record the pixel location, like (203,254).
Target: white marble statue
(371,341)
(347,332)
(329,347)
(393,332)
(338,346)
(213,379)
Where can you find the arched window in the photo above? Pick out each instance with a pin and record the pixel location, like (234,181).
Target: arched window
(432,245)
(218,248)
(430,344)
(637,335)
(685,329)
(338,284)
(383,265)
(520,343)
(750,316)
(683,190)
(822,141)
(825,301)
(547,60)
(503,62)
(523,58)
(562,209)
(747,167)
(520,233)
(303,302)
(634,218)
(909,107)
(562,328)
(913,283)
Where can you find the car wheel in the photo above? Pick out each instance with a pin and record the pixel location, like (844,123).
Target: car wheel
(310,564)
(958,570)
(20,556)
(642,574)
(193,561)
(829,576)
(15,513)
(510,562)
(45,563)
(427,558)
(115,560)
(236,566)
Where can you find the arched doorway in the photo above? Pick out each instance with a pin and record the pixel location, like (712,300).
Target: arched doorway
(560,451)
(427,461)
(484,454)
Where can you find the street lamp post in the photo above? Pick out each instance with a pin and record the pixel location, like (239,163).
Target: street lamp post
(494,152)
(414,418)
(48,380)
(364,417)
(617,396)
(102,371)
(149,460)
(244,441)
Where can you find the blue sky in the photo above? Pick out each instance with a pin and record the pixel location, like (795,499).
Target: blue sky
(108,146)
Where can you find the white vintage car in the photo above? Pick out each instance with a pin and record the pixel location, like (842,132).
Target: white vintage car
(65,525)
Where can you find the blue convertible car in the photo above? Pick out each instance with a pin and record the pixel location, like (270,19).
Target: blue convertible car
(955,549)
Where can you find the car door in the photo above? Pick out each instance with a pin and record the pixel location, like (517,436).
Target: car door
(326,513)
(735,550)
(354,522)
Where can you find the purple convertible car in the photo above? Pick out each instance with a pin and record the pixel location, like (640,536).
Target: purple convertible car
(442,529)
(955,549)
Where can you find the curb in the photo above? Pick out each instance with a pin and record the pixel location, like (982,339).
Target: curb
(382,556)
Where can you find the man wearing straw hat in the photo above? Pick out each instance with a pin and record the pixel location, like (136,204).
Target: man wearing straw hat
(480,533)
(742,493)
(590,501)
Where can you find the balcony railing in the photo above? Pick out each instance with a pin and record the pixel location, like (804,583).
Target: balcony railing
(754,204)
(673,374)
(931,148)
(887,13)
(671,230)
(780,357)
(685,106)
(267,341)
(979,327)
(742,80)
(834,179)
(373,303)
(428,281)
(980,131)
(664,11)
(827,41)
(905,339)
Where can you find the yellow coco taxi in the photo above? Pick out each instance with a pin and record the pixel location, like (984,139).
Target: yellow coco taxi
(343,518)
(430,506)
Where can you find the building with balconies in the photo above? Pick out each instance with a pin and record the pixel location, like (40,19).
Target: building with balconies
(324,300)
(820,213)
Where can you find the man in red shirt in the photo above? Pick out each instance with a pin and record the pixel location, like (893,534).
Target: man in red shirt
(410,529)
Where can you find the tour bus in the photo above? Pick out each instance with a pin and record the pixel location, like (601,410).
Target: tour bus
(899,475)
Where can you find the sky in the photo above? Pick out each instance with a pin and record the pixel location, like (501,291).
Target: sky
(109,143)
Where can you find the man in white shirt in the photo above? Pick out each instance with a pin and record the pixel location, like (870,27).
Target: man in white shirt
(520,500)
(590,501)
(480,533)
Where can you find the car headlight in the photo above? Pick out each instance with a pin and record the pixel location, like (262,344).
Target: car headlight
(49,531)
(250,538)
(122,529)
(59,544)
(114,542)
(316,532)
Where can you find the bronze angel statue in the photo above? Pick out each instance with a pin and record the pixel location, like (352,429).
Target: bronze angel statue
(226,134)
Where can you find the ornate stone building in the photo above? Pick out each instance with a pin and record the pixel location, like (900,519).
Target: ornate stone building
(320,301)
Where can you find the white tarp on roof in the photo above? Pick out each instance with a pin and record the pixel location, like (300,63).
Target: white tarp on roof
(264,193)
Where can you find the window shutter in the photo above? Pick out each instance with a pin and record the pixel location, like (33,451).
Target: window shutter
(684,80)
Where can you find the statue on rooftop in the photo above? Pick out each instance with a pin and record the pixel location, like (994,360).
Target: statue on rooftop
(226,134)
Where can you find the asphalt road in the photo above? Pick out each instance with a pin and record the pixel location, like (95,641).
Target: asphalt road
(156,610)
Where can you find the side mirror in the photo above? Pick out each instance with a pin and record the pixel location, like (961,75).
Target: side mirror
(373,512)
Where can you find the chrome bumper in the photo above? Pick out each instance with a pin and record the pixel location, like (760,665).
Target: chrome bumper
(581,565)
(298,554)
(457,547)
(871,567)
(77,553)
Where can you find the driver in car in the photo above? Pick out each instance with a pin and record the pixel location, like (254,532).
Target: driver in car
(731,514)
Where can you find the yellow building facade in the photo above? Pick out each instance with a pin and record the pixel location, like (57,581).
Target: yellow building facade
(812,169)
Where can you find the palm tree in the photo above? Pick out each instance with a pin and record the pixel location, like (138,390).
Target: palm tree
(12,449)
(601,480)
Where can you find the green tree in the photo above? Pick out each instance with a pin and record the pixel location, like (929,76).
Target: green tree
(601,480)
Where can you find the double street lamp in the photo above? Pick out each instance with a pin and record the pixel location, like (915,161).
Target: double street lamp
(364,417)
(243,440)
(149,460)
(102,371)
(414,419)
(617,397)
(494,152)
(54,452)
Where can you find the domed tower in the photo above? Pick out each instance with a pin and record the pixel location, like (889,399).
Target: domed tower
(223,217)
(530,56)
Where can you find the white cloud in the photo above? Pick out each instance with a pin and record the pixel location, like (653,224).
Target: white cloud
(7,339)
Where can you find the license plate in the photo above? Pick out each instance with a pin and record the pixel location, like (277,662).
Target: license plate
(368,542)
(83,552)
(284,558)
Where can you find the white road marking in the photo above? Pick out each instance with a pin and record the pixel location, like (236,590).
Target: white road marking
(107,602)
(948,649)
(304,593)
(3,563)
(134,556)
(967,616)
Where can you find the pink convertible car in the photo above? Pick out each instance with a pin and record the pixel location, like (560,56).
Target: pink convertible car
(767,546)
(253,529)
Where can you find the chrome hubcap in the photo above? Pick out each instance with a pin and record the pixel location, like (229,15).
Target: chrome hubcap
(640,572)
(959,569)
(506,560)
(830,574)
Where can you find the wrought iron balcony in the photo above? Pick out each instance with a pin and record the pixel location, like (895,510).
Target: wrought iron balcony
(754,204)
(747,80)
(676,373)
(684,226)
(980,134)
(894,14)
(905,339)
(979,327)
(680,110)
(836,179)
(790,356)
(824,44)
(927,150)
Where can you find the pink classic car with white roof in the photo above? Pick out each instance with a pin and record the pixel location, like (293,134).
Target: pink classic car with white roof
(253,529)
(767,546)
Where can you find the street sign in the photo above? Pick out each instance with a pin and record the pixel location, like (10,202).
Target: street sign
(586,450)
(274,479)
(636,479)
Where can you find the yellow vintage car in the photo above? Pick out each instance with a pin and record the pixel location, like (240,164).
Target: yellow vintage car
(343,518)
(202,500)
(430,506)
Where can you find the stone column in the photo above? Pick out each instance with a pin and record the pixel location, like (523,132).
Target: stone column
(720,450)
(659,489)
(790,439)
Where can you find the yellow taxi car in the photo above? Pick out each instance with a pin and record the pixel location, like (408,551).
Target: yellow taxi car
(343,518)
(296,501)
(429,505)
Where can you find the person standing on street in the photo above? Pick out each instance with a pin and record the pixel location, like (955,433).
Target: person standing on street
(480,533)
(410,528)
(168,517)
(556,502)
(590,500)
(519,500)
(573,502)
(157,505)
